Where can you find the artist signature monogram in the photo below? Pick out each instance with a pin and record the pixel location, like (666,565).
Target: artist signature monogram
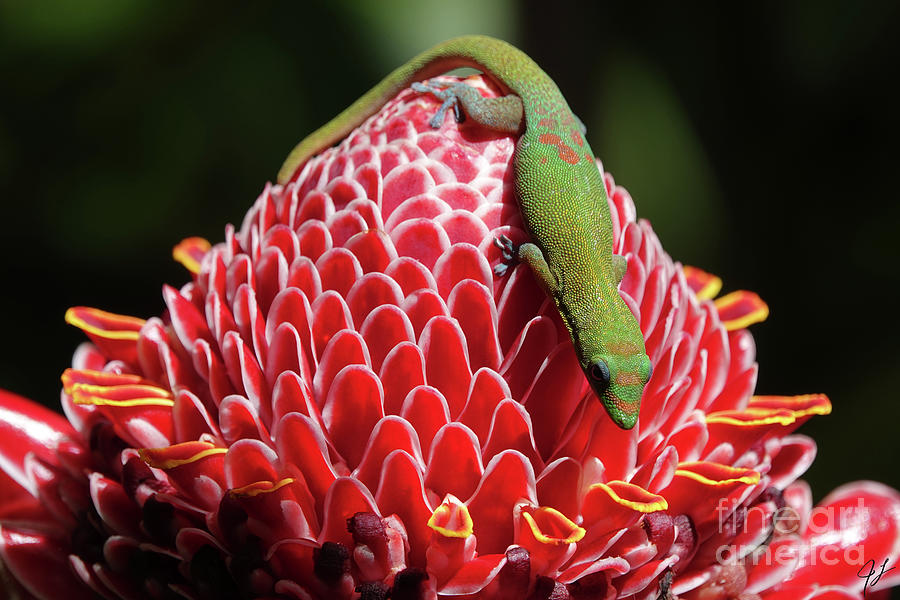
(867,571)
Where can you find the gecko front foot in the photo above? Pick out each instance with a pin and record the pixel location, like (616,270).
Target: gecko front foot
(510,254)
(451,100)
(503,113)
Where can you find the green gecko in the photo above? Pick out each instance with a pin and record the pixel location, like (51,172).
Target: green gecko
(561,195)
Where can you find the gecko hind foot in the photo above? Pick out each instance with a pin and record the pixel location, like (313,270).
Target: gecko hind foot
(450,100)
(510,254)
(665,585)
(581,126)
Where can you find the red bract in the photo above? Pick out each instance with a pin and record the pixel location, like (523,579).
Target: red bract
(345,402)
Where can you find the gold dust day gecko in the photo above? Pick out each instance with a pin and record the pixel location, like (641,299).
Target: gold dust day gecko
(561,196)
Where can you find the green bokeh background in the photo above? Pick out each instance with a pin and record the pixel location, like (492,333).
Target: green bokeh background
(761,141)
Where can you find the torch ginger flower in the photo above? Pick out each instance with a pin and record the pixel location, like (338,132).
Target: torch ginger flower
(345,402)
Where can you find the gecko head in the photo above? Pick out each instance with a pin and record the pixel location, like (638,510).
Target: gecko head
(619,383)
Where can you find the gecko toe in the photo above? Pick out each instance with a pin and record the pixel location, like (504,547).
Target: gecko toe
(507,247)
(503,242)
(510,253)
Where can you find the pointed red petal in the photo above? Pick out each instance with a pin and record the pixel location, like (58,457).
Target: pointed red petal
(115,335)
(402,493)
(454,465)
(353,407)
(507,480)
(739,310)
(446,361)
(706,286)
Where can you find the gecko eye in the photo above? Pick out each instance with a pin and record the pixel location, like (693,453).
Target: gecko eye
(599,373)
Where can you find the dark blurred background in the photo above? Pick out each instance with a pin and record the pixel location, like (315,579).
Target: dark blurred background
(761,141)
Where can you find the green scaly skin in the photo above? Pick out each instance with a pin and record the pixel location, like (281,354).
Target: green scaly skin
(561,196)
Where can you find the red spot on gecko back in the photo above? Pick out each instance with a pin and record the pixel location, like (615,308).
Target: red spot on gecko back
(548,123)
(576,137)
(565,151)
